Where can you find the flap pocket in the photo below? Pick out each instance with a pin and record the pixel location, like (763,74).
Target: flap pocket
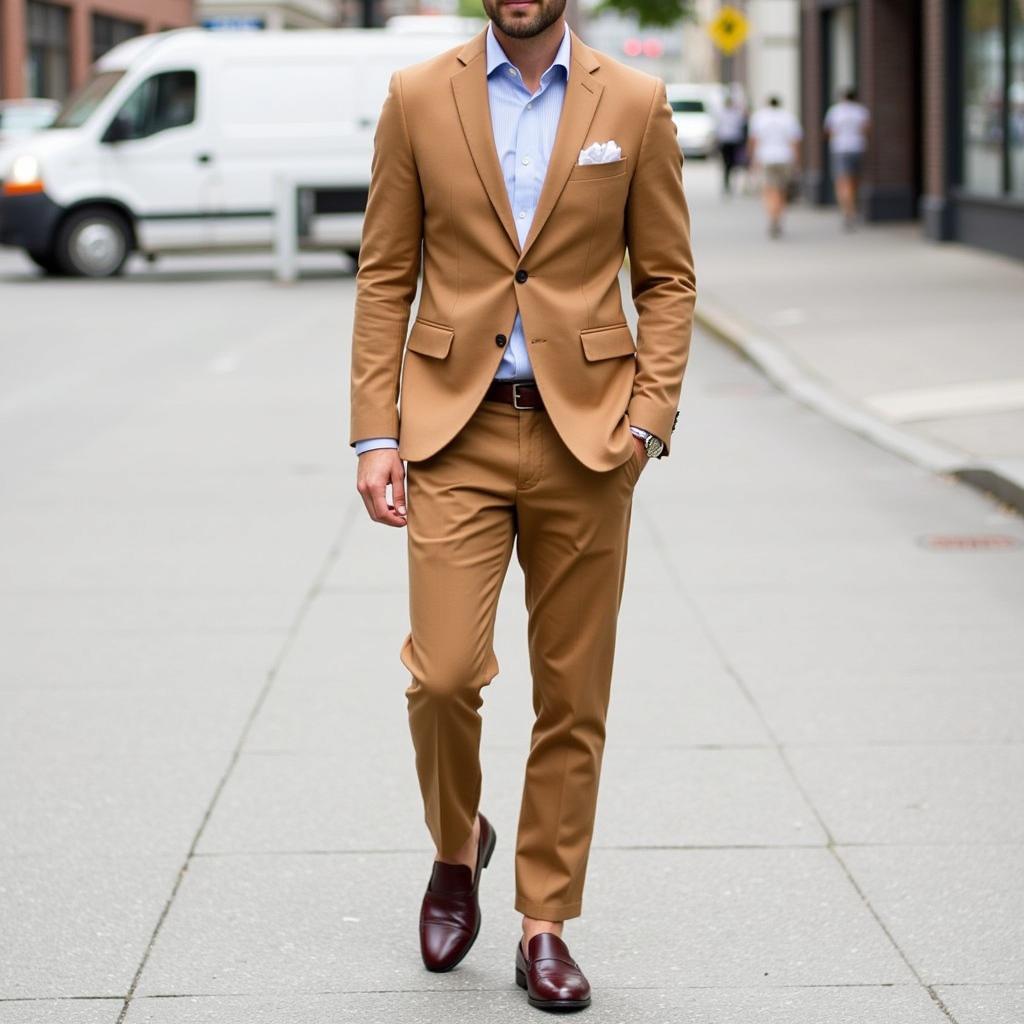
(606,342)
(590,172)
(430,339)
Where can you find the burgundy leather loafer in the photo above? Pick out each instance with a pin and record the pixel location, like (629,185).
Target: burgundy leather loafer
(552,979)
(450,914)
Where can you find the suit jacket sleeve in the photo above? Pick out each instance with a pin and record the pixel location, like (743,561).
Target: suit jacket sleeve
(661,272)
(389,267)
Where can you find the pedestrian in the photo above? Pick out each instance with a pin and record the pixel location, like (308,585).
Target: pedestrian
(730,131)
(847,124)
(774,147)
(519,168)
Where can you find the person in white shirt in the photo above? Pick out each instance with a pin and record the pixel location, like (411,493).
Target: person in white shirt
(730,129)
(774,146)
(847,124)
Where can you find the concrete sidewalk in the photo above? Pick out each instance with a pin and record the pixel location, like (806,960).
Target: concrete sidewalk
(918,346)
(810,811)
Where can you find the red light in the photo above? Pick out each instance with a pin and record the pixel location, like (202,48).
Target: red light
(632,47)
(653,48)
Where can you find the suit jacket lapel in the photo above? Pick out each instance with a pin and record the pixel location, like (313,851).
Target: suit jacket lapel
(469,86)
(582,94)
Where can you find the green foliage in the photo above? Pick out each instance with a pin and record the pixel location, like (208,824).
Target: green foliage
(471,9)
(651,13)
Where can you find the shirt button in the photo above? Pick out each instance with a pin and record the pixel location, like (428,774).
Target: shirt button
(521,276)
(526,161)
(522,214)
(499,340)
(529,106)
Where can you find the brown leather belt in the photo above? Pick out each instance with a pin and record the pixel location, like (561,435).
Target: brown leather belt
(519,394)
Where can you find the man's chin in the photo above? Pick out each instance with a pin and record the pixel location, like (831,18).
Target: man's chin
(522,27)
(521,21)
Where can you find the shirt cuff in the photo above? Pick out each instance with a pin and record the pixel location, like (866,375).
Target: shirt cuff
(370,444)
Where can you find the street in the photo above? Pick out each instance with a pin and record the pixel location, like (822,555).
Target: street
(811,807)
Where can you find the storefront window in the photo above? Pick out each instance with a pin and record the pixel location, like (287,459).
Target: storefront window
(983,86)
(842,43)
(107,32)
(1016,99)
(49,64)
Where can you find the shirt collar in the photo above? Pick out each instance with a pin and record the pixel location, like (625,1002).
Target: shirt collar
(497,58)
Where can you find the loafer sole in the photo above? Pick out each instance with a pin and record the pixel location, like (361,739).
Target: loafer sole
(551,1005)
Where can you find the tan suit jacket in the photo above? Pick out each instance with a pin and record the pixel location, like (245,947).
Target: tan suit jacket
(438,198)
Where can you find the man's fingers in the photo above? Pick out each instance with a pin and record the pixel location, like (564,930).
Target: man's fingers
(398,488)
(376,469)
(382,511)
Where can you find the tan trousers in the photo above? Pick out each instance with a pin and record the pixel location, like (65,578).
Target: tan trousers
(508,478)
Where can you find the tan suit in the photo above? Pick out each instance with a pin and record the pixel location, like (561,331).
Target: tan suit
(483,476)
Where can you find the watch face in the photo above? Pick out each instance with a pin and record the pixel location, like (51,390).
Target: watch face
(653,447)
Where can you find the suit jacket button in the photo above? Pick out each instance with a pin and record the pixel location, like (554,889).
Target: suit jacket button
(499,340)
(521,276)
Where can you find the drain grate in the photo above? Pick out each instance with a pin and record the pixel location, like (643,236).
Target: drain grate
(968,542)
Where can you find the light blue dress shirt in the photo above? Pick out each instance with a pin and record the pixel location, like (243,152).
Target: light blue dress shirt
(524,126)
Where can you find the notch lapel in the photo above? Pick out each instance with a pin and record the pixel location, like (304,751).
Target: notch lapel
(469,86)
(582,94)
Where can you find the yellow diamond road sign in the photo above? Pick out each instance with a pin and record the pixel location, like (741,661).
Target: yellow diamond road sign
(728,29)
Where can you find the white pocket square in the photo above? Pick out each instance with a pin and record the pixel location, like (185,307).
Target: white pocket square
(600,153)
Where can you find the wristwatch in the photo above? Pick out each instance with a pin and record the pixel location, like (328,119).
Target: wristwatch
(653,446)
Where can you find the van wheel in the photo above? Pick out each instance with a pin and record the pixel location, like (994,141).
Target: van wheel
(353,255)
(93,242)
(46,260)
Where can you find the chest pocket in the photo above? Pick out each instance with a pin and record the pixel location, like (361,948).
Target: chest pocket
(598,172)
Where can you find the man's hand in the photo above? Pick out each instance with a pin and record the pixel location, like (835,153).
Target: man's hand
(377,469)
(644,457)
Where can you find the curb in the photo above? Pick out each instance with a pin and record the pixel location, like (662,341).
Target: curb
(808,389)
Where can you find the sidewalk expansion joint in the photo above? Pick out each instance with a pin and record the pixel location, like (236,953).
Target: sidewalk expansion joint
(315,589)
(730,669)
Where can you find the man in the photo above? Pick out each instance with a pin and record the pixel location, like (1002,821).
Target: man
(847,124)
(521,165)
(774,146)
(730,131)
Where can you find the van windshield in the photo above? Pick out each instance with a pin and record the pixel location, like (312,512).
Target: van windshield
(688,106)
(83,102)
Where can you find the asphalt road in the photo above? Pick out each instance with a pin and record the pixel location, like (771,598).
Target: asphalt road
(811,808)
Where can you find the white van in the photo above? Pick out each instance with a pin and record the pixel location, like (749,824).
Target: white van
(178,140)
(694,109)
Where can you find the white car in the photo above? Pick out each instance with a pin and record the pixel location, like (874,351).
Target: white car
(693,113)
(180,141)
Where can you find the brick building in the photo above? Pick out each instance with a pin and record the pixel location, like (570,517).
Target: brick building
(47,46)
(944,81)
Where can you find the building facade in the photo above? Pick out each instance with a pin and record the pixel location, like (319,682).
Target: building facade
(944,81)
(268,14)
(47,46)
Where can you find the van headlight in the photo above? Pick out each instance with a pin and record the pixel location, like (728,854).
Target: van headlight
(24,177)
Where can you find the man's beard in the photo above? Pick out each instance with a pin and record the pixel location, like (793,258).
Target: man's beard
(520,28)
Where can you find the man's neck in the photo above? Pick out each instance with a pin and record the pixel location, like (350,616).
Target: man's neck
(534,55)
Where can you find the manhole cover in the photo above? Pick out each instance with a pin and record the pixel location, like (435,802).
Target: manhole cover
(968,542)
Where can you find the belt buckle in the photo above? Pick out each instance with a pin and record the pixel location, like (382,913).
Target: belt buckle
(515,396)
